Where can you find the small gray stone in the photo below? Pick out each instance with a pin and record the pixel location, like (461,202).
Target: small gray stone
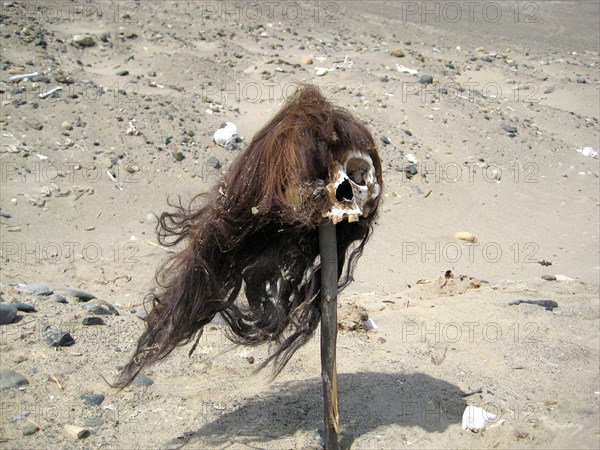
(122,73)
(93,320)
(549,90)
(581,80)
(141,314)
(10,379)
(509,128)
(426,79)
(549,277)
(411,170)
(92,399)
(142,380)
(35,289)
(59,298)
(35,124)
(214,162)
(178,156)
(8,313)
(58,338)
(29,429)
(92,308)
(80,295)
(94,421)
(385,139)
(83,40)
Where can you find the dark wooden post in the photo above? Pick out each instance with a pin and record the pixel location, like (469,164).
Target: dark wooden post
(329,289)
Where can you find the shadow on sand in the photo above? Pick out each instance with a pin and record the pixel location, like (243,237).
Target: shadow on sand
(368,400)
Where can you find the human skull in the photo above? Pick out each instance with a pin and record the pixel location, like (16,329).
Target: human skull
(352,187)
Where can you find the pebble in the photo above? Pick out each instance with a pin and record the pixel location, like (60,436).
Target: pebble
(397,53)
(122,73)
(384,78)
(214,162)
(29,429)
(385,139)
(426,79)
(581,80)
(92,399)
(5,214)
(58,338)
(35,289)
(178,156)
(59,298)
(83,40)
(411,170)
(509,129)
(93,320)
(25,307)
(487,59)
(307,60)
(8,313)
(549,90)
(94,421)
(142,380)
(96,309)
(549,277)
(35,124)
(141,314)
(80,295)
(10,379)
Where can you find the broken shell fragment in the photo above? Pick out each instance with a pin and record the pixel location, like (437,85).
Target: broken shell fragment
(476,419)
(465,236)
(227,135)
(353,186)
(77,432)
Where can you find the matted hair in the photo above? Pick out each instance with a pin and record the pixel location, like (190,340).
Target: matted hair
(257,232)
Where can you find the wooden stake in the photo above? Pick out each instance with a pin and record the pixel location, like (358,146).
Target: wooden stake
(329,288)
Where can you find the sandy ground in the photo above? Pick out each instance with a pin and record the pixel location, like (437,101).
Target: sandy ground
(528,196)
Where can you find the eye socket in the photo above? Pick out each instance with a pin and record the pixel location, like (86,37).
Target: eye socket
(344,191)
(358,170)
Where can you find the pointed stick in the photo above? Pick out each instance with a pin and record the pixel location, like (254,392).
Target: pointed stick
(329,288)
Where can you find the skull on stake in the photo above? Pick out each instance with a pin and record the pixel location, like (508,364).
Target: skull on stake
(353,187)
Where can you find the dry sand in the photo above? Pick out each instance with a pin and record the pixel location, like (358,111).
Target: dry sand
(402,384)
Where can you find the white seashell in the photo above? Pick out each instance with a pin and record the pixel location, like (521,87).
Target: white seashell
(226,135)
(588,151)
(476,418)
(411,158)
(465,236)
(404,69)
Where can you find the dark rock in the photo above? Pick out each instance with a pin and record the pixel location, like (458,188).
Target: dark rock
(411,170)
(408,132)
(58,338)
(549,277)
(450,65)
(93,320)
(178,156)
(8,313)
(93,399)
(10,379)
(581,80)
(385,139)
(214,162)
(80,295)
(122,73)
(426,79)
(25,307)
(487,59)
